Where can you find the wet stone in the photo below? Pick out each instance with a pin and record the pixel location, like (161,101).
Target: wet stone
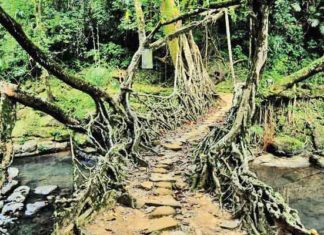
(5,221)
(12,172)
(8,187)
(12,208)
(45,190)
(33,208)
(16,197)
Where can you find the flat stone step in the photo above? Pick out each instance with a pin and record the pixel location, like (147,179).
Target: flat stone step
(230,224)
(167,162)
(173,233)
(162,191)
(176,146)
(162,211)
(156,177)
(164,166)
(167,185)
(147,185)
(161,224)
(159,170)
(162,201)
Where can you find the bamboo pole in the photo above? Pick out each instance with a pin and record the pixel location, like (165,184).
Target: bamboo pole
(228,35)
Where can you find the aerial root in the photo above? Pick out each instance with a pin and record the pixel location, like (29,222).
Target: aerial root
(221,161)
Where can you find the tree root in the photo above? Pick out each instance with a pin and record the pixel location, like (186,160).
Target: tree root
(221,161)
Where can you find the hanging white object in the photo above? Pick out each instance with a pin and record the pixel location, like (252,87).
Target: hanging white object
(147,59)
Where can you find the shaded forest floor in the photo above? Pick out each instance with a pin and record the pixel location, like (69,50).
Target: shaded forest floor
(160,195)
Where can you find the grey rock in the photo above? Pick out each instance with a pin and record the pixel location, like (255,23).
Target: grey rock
(33,208)
(12,208)
(51,146)
(12,172)
(230,224)
(4,231)
(29,146)
(45,190)
(8,187)
(16,197)
(24,190)
(19,194)
(1,204)
(5,221)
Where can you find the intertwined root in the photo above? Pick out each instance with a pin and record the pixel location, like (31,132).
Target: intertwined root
(116,137)
(221,161)
(193,93)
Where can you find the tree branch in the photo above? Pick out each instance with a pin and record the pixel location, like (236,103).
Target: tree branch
(208,19)
(49,64)
(288,82)
(13,93)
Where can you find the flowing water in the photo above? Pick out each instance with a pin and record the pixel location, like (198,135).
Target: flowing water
(303,188)
(38,171)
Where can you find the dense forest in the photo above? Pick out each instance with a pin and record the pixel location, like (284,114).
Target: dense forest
(161,117)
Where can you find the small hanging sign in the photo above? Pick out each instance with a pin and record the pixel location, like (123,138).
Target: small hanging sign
(147,59)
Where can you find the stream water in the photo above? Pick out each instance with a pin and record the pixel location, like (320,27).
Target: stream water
(303,188)
(38,171)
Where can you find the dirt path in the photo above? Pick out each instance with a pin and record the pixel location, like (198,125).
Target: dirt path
(164,204)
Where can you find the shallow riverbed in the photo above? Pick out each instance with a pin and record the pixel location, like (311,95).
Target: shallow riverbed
(55,169)
(303,188)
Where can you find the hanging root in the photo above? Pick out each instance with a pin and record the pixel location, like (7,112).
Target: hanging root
(193,93)
(222,167)
(97,176)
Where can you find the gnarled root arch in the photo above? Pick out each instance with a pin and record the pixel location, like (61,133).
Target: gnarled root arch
(192,94)
(222,157)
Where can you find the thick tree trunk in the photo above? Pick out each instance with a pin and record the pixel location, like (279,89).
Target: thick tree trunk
(222,158)
(11,91)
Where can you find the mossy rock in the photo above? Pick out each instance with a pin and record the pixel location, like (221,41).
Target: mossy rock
(286,146)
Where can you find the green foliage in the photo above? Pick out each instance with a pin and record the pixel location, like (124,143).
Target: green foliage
(289,143)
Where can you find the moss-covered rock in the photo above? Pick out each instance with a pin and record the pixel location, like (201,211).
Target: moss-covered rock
(285,145)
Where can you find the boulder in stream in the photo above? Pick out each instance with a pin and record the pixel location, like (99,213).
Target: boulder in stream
(8,187)
(5,221)
(29,146)
(45,190)
(19,194)
(12,208)
(12,172)
(33,208)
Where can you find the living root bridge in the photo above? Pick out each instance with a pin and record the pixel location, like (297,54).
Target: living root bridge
(222,158)
(113,130)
